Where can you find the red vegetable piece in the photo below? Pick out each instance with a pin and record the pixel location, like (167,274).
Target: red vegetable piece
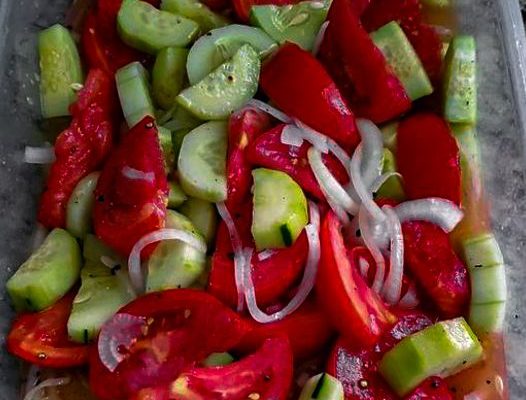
(428,158)
(242,7)
(132,191)
(244,127)
(359,67)
(268,151)
(354,309)
(299,85)
(42,338)
(184,327)
(435,266)
(433,388)
(81,148)
(217,5)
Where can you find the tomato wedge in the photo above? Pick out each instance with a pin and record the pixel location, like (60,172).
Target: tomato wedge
(354,309)
(183,328)
(242,7)
(132,192)
(359,67)
(42,338)
(81,148)
(299,85)
(428,157)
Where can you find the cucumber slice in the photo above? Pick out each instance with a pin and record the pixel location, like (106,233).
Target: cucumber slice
(220,45)
(488,284)
(299,23)
(218,360)
(175,264)
(196,11)
(226,89)
(402,58)
(165,140)
(322,387)
(389,132)
(466,136)
(280,209)
(60,68)
(134,93)
(168,75)
(460,81)
(203,215)
(102,293)
(149,29)
(482,251)
(176,196)
(177,140)
(48,274)
(202,162)
(442,350)
(487,318)
(392,187)
(94,249)
(437,3)
(182,119)
(80,206)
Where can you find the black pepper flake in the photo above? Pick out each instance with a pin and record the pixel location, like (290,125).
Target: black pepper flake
(516,316)
(115,268)
(230,78)
(267,378)
(100,199)
(488,382)
(358,233)
(477,266)
(435,384)
(453,389)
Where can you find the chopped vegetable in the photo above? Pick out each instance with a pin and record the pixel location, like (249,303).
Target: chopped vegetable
(203,215)
(196,11)
(168,75)
(322,387)
(80,206)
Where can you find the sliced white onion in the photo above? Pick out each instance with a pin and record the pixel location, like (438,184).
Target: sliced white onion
(319,37)
(312,136)
(370,243)
(35,393)
(373,150)
(380,180)
(291,137)
(260,105)
(118,333)
(393,282)
(265,254)
(410,298)
(231,227)
(39,155)
(134,260)
(135,174)
(441,212)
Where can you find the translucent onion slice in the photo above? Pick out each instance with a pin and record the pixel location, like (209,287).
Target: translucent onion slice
(135,174)
(32,378)
(291,136)
(380,180)
(265,254)
(393,282)
(319,38)
(410,298)
(370,243)
(373,151)
(35,393)
(317,139)
(39,155)
(260,105)
(441,212)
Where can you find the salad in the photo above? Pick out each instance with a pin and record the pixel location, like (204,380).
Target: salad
(262,200)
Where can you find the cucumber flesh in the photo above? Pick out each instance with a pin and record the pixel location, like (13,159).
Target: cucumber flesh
(196,11)
(177,140)
(218,360)
(403,60)
(389,136)
(203,215)
(392,187)
(48,274)
(299,23)
(488,284)
(460,81)
(487,318)
(280,209)
(80,206)
(149,29)
(60,68)
(176,196)
(182,119)
(94,249)
(469,158)
(165,140)
(482,251)
(175,264)
(220,45)
(226,89)
(442,349)
(168,75)
(322,387)
(134,93)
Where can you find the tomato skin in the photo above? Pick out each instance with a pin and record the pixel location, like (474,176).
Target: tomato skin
(268,151)
(354,309)
(45,333)
(299,85)
(359,67)
(435,266)
(242,7)
(81,148)
(428,157)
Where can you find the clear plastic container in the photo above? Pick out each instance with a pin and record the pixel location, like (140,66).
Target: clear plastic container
(499,29)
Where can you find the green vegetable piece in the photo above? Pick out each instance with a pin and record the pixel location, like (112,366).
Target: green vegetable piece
(60,71)
(437,3)
(488,284)
(196,11)
(168,75)
(442,349)
(402,58)
(177,140)
(134,93)
(175,264)
(80,206)
(466,137)
(48,274)
(322,387)
(392,187)
(149,29)
(460,81)
(487,318)
(95,249)
(389,132)
(226,89)
(218,360)
(102,293)
(176,196)
(280,209)
(220,45)
(165,140)
(202,162)
(482,251)
(182,119)
(203,215)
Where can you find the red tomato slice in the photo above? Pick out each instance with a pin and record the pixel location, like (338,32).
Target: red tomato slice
(242,7)
(359,67)
(244,127)
(184,327)
(42,338)
(435,266)
(129,206)
(268,151)
(307,329)
(428,158)
(299,85)
(81,148)
(354,309)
